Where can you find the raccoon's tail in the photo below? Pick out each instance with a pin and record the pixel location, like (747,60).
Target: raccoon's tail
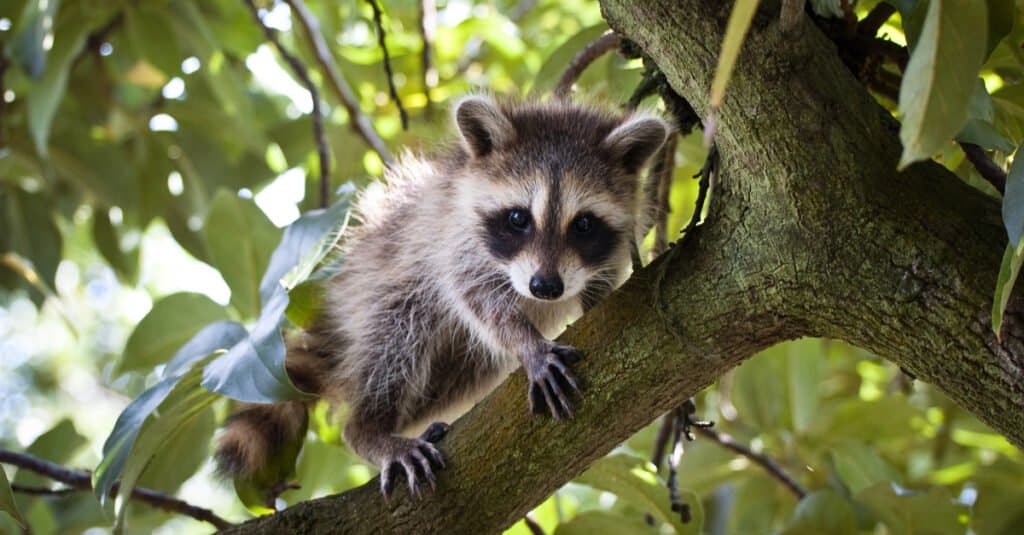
(258,435)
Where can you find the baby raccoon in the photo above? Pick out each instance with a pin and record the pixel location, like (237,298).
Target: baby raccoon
(465,266)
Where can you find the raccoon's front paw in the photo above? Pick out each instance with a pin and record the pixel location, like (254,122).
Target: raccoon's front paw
(417,458)
(552,381)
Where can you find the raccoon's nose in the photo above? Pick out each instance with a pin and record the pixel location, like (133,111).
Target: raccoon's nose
(546,288)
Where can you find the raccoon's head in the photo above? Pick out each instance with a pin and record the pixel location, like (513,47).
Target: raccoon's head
(553,189)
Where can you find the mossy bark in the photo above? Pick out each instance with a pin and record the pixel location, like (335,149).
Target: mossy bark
(811,232)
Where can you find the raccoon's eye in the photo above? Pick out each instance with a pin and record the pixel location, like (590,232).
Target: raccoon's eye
(519,219)
(583,223)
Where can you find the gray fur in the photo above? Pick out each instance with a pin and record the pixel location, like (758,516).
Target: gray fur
(424,318)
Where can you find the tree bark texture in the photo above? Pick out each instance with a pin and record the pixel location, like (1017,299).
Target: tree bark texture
(811,232)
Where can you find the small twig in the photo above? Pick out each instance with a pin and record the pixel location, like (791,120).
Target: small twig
(359,122)
(761,460)
(82,481)
(708,171)
(428,27)
(661,440)
(790,15)
(318,126)
(985,166)
(673,466)
(595,49)
(382,40)
(42,491)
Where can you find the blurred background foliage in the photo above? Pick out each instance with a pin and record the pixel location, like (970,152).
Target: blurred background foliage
(151,152)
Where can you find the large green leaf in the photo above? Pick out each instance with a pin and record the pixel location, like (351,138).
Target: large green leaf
(820,512)
(940,77)
(240,240)
(47,92)
(34,24)
(803,367)
(58,445)
(859,465)
(1001,14)
(180,457)
(108,240)
(152,37)
(762,403)
(1013,200)
(604,523)
(305,243)
(630,479)
(253,370)
(908,512)
(980,128)
(29,230)
(121,441)
(1013,257)
(7,504)
(169,324)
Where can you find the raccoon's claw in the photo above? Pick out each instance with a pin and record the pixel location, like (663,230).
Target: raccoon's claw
(418,462)
(552,381)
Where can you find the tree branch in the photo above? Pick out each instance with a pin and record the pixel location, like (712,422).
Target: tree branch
(761,460)
(382,40)
(428,28)
(790,14)
(598,47)
(80,480)
(359,122)
(318,120)
(813,232)
(988,169)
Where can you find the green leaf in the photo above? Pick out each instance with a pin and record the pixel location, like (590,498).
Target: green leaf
(604,523)
(908,512)
(1001,14)
(762,403)
(169,324)
(108,241)
(46,93)
(152,37)
(185,401)
(940,77)
(181,378)
(253,370)
(823,511)
(7,504)
(1013,200)
(240,240)
(1013,257)
(631,479)
(58,445)
(980,128)
(181,456)
(29,230)
(304,303)
(305,243)
(735,33)
(34,24)
(859,466)
(803,367)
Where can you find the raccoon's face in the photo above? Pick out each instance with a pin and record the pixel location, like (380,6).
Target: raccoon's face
(554,191)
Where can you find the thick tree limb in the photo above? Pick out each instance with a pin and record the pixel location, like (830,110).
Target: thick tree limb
(80,480)
(812,233)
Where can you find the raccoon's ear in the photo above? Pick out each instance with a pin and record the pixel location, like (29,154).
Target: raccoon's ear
(635,140)
(483,126)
